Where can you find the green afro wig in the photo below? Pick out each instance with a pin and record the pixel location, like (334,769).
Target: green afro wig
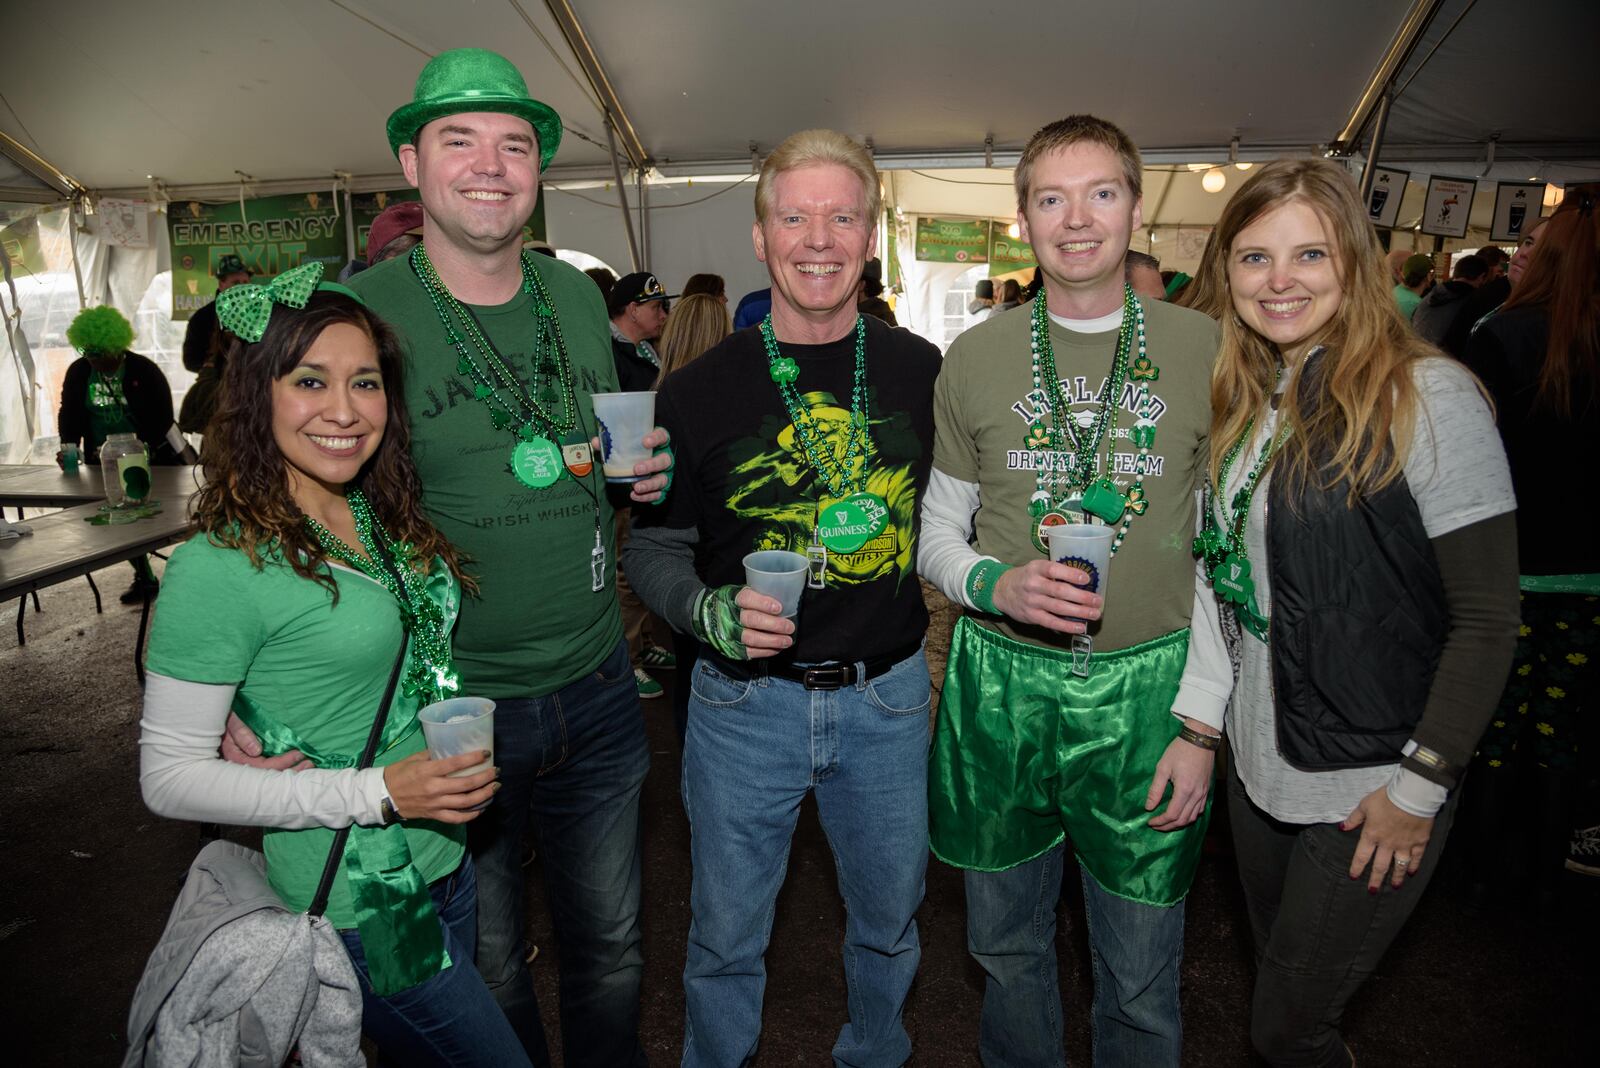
(100,331)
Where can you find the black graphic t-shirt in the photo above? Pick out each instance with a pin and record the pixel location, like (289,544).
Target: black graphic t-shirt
(744,482)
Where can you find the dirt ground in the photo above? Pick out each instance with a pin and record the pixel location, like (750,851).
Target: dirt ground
(89,875)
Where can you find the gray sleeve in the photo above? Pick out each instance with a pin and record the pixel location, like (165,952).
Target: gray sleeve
(1478,567)
(659,562)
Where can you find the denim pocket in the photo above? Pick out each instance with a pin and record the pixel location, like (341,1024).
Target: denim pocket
(615,667)
(905,691)
(712,687)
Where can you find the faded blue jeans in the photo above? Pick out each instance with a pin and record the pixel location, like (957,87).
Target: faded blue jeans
(1136,952)
(755,747)
(572,763)
(448,1020)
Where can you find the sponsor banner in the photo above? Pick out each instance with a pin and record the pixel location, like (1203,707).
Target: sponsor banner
(947,240)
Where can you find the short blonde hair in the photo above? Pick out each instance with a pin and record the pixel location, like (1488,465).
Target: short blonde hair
(811,147)
(1077,130)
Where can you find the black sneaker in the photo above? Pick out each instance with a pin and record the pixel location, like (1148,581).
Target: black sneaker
(141,588)
(1583,856)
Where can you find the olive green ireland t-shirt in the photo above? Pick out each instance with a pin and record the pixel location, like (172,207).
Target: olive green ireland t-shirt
(536,624)
(316,667)
(982,411)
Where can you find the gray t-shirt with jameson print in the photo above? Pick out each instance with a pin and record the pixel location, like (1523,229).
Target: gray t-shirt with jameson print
(983,407)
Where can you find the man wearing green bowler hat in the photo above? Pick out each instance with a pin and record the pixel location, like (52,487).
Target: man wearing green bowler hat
(504,351)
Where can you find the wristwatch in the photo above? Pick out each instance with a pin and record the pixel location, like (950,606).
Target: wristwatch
(386,809)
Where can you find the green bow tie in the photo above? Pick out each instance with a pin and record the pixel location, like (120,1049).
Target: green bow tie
(243,310)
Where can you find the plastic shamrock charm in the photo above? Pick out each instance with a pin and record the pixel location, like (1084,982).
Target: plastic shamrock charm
(1143,370)
(482,390)
(1143,434)
(1038,437)
(1136,501)
(501,420)
(1209,544)
(463,365)
(783,370)
(526,432)
(1232,580)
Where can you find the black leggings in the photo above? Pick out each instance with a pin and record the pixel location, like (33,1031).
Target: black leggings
(1318,933)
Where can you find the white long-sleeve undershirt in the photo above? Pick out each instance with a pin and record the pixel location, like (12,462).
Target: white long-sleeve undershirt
(182,776)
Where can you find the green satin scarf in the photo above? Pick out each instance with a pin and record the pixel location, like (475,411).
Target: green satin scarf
(400,932)
(1026,753)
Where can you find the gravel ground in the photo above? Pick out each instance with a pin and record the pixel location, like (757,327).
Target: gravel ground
(89,875)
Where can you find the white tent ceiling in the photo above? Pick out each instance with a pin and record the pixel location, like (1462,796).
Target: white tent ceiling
(111,91)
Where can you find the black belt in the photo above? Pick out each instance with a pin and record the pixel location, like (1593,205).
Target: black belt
(832,675)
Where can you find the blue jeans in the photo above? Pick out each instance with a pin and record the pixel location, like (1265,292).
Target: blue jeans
(1136,952)
(448,1019)
(755,747)
(573,763)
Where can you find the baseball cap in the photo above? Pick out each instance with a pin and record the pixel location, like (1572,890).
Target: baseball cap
(403,217)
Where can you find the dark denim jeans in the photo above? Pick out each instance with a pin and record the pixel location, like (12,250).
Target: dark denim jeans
(450,1019)
(572,763)
(1318,933)
(1136,951)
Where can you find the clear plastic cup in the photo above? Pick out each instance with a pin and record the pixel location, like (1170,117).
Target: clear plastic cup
(624,418)
(460,725)
(1085,546)
(777,573)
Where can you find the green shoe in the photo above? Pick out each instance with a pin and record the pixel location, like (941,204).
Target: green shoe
(648,687)
(657,658)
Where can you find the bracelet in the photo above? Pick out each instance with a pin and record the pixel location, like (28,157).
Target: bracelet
(981,581)
(1208,742)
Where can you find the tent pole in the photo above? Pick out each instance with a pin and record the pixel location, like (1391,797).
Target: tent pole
(642,197)
(1370,171)
(622,196)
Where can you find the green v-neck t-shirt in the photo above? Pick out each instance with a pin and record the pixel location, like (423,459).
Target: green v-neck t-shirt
(317,667)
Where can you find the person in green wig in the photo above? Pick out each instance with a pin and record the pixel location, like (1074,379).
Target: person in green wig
(503,351)
(110,390)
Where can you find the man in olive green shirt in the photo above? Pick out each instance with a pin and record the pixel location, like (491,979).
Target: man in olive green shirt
(1060,711)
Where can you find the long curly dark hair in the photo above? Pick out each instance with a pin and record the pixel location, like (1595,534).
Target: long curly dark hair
(245,503)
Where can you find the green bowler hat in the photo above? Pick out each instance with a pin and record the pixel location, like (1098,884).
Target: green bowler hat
(473,79)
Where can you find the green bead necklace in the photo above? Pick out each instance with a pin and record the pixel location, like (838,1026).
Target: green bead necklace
(1072,488)
(849,517)
(432,674)
(536,458)
(1221,545)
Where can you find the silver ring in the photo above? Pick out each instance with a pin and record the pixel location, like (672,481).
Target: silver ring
(1402,862)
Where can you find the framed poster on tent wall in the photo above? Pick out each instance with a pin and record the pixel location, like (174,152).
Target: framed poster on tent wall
(1388,190)
(1449,204)
(1515,205)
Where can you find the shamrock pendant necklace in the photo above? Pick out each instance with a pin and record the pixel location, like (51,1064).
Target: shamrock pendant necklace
(430,674)
(1222,546)
(1069,492)
(536,459)
(848,517)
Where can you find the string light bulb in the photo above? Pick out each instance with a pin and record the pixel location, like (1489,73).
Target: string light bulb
(1214,180)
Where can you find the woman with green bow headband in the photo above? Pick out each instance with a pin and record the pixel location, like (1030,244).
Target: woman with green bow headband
(312,567)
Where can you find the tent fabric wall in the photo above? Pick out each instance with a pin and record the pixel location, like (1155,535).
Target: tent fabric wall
(694,228)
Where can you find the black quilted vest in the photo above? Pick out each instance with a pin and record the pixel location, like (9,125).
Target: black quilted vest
(1358,618)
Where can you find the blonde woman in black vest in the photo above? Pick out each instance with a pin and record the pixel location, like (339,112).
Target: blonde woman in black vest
(1358,577)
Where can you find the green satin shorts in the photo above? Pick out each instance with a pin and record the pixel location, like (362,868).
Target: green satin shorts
(1026,753)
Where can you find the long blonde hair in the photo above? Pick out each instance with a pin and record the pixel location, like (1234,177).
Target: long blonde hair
(698,322)
(1365,400)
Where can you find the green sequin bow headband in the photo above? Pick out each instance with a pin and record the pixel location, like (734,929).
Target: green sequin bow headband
(244,310)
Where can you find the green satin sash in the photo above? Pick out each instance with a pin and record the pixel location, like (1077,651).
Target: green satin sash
(1026,753)
(400,932)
